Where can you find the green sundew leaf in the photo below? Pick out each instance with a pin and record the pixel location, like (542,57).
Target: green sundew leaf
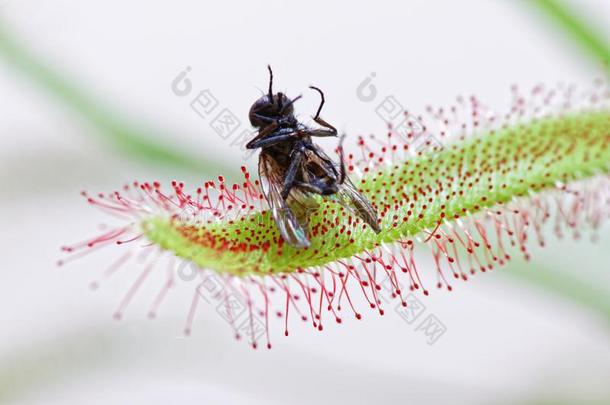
(484,171)
(134,140)
(583,33)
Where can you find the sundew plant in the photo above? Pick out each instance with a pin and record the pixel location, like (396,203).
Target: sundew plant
(467,186)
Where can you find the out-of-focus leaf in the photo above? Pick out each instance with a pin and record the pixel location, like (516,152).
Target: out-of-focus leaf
(568,285)
(577,28)
(125,136)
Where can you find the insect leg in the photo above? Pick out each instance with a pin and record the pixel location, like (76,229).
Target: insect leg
(289,103)
(321,101)
(259,142)
(267,130)
(261,134)
(332,131)
(330,163)
(263,118)
(341,161)
(270,95)
(295,163)
(317,187)
(321,132)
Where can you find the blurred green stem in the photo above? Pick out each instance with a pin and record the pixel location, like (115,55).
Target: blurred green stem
(131,139)
(578,29)
(580,290)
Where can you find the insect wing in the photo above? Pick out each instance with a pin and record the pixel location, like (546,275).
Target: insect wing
(350,197)
(271,181)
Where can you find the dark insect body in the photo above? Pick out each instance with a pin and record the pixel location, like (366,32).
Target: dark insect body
(292,168)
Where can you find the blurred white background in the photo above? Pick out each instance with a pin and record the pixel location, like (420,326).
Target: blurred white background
(507,341)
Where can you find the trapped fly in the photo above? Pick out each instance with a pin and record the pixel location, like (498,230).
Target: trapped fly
(292,168)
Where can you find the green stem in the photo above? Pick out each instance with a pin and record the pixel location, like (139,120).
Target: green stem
(583,34)
(123,135)
(590,295)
